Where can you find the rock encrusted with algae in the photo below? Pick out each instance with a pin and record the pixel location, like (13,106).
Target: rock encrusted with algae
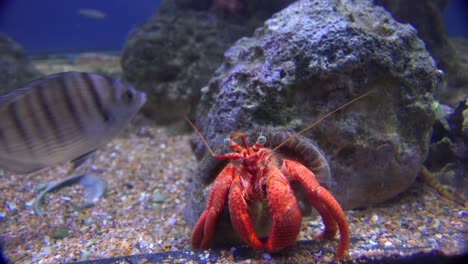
(314,56)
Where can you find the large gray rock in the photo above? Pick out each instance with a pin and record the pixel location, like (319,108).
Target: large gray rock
(173,54)
(313,57)
(15,67)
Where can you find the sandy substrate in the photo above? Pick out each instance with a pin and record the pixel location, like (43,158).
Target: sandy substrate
(147,171)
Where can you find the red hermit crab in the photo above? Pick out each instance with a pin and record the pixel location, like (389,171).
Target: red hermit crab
(270,177)
(256,174)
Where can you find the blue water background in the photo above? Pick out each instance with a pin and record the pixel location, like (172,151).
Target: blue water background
(456,18)
(55,25)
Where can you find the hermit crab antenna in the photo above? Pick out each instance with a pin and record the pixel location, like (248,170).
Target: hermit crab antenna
(200,135)
(322,118)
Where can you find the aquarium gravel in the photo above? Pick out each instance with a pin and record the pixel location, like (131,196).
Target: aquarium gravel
(148,170)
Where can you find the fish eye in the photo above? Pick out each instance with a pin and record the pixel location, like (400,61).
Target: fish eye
(127,97)
(261,140)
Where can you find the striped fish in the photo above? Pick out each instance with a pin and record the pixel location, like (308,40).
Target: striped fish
(62,117)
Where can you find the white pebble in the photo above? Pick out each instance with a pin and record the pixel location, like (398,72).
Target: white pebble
(30,203)
(388,244)
(314,223)
(66,199)
(375,218)
(11,206)
(142,196)
(373,243)
(172,221)
(435,223)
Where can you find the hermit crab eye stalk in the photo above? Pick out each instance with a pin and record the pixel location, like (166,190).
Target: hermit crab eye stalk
(261,140)
(226,141)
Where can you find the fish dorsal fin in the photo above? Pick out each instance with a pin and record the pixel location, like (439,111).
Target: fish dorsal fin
(14,94)
(81,159)
(26,88)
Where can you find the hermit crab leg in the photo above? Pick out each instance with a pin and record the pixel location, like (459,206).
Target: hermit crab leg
(315,192)
(204,229)
(285,213)
(238,211)
(331,226)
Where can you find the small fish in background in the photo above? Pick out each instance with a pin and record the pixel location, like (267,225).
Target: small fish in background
(92,13)
(63,117)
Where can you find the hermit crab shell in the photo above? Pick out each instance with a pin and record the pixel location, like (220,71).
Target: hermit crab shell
(297,147)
